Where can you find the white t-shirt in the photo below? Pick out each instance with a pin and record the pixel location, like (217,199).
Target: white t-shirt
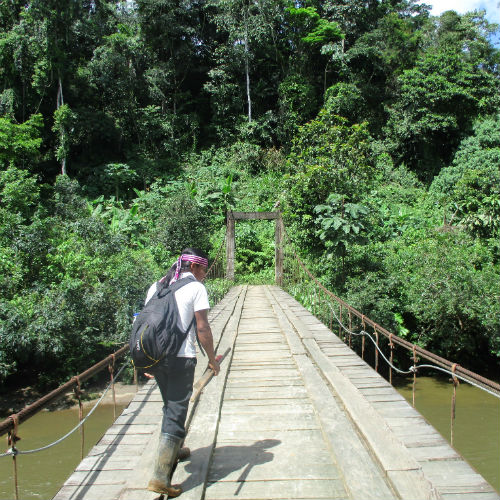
(190,298)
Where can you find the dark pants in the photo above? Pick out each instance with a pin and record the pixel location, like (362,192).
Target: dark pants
(175,380)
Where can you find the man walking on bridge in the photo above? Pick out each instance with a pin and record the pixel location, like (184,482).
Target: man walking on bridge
(175,378)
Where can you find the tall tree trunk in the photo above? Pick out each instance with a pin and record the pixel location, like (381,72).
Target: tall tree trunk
(248,89)
(60,102)
(247,72)
(324,81)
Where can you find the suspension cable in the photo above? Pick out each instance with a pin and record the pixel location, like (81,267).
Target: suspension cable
(412,368)
(38,405)
(14,451)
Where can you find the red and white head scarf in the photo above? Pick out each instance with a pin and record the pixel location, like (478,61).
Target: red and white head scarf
(189,258)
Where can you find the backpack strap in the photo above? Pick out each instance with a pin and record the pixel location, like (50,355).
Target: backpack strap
(173,288)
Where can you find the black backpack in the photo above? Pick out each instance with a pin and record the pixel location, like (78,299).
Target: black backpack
(156,333)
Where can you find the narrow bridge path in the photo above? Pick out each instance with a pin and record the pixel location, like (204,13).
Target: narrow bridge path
(294,414)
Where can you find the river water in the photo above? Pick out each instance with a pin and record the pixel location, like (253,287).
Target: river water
(477,422)
(477,437)
(41,475)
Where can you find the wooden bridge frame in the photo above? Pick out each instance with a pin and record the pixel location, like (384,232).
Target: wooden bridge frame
(231,244)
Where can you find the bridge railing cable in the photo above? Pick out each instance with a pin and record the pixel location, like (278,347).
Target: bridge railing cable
(14,451)
(27,412)
(10,424)
(412,368)
(300,282)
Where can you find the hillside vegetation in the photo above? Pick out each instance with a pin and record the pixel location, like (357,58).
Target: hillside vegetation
(129,128)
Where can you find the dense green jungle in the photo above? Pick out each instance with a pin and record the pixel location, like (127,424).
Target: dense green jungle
(129,128)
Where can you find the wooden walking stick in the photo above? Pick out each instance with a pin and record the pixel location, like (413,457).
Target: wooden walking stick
(206,377)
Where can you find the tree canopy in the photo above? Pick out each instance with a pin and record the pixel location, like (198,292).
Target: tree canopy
(128,128)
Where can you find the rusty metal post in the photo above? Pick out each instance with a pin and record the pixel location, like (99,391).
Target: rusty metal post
(340,326)
(297,271)
(391,346)
(453,402)
(325,308)
(331,316)
(321,310)
(111,368)
(12,438)
(78,394)
(363,326)
(414,374)
(16,488)
(350,328)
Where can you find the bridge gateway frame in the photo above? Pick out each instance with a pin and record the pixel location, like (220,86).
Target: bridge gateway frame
(232,217)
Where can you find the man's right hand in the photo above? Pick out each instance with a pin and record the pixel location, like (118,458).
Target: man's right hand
(215,366)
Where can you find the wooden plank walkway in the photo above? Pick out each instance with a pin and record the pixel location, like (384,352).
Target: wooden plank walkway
(294,414)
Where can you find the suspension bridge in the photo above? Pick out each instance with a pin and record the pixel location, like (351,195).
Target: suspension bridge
(295,413)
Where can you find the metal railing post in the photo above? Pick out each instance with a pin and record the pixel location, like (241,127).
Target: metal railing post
(111,368)
(414,375)
(453,402)
(78,393)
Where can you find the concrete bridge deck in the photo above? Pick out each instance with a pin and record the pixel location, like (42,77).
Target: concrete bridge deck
(294,414)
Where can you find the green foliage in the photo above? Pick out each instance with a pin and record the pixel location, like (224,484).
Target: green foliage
(254,248)
(19,191)
(120,174)
(327,157)
(436,105)
(20,143)
(122,220)
(470,187)
(317,31)
(346,100)
(169,114)
(297,104)
(340,224)
(402,331)
(429,281)
(322,32)
(436,284)
(181,223)
(72,288)
(217,289)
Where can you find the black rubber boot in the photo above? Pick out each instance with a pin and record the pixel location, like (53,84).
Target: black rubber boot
(168,448)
